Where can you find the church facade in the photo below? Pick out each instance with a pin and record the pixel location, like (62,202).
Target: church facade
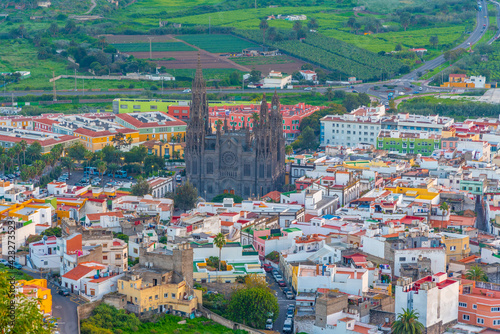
(248,163)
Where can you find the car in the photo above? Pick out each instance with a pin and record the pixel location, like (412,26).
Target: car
(16,265)
(278,277)
(289,295)
(285,290)
(290,312)
(281,283)
(275,272)
(308,88)
(4,262)
(287,326)
(355,91)
(291,306)
(386,103)
(412,86)
(64,292)
(267,267)
(419,88)
(401,93)
(416,92)
(187,90)
(269,324)
(178,178)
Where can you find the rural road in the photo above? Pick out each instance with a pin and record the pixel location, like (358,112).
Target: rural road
(498,22)
(479,31)
(91,7)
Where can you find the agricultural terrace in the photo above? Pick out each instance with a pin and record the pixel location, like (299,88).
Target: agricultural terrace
(155,47)
(217,43)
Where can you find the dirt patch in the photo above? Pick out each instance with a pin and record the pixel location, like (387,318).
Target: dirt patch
(188,60)
(112,39)
(226,289)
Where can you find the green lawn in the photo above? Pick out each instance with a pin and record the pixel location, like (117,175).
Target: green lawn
(217,43)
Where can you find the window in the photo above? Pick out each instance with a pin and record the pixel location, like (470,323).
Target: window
(453,248)
(462,304)
(154,107)
(480,320)
(210,167)
(496,322)
(246,170)
(104,257)
(165,295)
(150,298)
(474,306)
(402,259)
(124,106)
(465,317)
(156,297)
(137,107)
(173,296)
(495,309)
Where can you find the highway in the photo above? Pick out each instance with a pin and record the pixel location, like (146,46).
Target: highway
(474,37)
(498,22)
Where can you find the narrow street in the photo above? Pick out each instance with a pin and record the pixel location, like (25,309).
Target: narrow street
(63,308)
(480,218)
(282,302)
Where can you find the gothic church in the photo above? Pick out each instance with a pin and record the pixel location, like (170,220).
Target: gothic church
(244,162)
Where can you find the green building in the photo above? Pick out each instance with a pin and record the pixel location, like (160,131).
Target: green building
(403,142)
(475,187)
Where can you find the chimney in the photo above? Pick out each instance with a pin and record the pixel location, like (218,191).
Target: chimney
(317,270)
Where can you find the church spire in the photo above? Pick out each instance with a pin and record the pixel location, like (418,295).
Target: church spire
(263,116)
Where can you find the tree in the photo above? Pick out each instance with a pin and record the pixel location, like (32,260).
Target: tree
(252,306)
(53,29)
(53,231)
(23,145)
(68,163)
(219,242)
(405,19)
(407,323)
(263,25)
(306,140)
(329,94)
(392,105)
(220,198)
(34,151)
(28,318)
(288,150)
(141,188)
(119,140)
(444,208)
(434,40)
(297,26)
(113,168)
(101,168)
(312,24)
(255,75)
(185,196)
(70,26)
(398,47)
(89,155)
(476,273)
(351,22)
(77,151)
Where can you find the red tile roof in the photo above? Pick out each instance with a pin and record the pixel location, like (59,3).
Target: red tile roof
(78,272)
(97,216)
(138,124)
(95,134)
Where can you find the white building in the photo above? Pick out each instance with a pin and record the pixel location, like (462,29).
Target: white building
(276,80)
(108,220)
(43,254)
(309,75)
(147,239)
(18,237)
(479,81)
(434,297)
(346,280)
(416,123)
(360,126)
(194,224)
(147,205)
(161,185)
(437,255)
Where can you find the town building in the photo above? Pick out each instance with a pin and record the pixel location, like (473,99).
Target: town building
(96,140)
(37,289)
(242,162)
(479,304)
(155,125)
(400,142)
(360,126)
(276,80)
(160,186)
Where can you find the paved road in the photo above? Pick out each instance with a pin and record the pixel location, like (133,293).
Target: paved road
(498,21)
(479,31)
(282,301)
(63,308)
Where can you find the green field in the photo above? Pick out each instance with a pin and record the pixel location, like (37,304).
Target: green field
(217,43)
(155,47)
(252,61)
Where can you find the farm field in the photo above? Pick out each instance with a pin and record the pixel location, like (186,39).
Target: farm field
(155,47)
(122,39)
(217,43)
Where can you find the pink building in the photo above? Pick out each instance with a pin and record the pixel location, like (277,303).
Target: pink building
(269,240)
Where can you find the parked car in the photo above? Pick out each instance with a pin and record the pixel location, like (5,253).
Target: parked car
(287,326)
(289,295)
(278,277)
(285,290)
(187,90)
(64,292)
(308,88)
(281,283)
(290,312)
(275,272)
(291,306)
(355,91)
(17,265)
(4,262)
(269,324)
(267,267)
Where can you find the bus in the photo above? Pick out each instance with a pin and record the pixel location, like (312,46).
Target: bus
(90,171)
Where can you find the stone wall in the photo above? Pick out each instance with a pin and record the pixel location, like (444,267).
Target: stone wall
(228,323)
(85,310)
(180,261)
(378,317)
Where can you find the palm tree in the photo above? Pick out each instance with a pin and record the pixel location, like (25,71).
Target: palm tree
(17,150)
(288,149)
(101,168)
(89,155)
(444,208)
(4,159)
(112,168)
(68,163)
(219,241)
(255,118)
(263,26)
(23,145)
(476,273)
(407,323)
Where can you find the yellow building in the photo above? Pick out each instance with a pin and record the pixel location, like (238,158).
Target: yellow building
(37,288)
(97,140)
(457,246)
(162,149)
(153,290)
(154,126)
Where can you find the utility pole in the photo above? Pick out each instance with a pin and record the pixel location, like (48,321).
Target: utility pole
(75,81)
(83,90)
(54,85)
(150,48)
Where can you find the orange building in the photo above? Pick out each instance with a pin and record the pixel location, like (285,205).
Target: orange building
(478,305)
